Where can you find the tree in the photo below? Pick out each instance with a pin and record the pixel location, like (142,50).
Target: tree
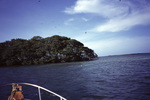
(40,50)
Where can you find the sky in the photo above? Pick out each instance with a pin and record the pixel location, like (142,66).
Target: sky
(109,27)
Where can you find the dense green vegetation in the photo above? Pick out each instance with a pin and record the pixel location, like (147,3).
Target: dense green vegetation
(40,50)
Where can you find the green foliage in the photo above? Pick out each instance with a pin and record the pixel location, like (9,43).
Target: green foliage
(40,50)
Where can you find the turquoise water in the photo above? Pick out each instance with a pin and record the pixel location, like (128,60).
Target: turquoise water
(124,77)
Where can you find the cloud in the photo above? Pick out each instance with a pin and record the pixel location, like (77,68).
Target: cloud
(84,19)
(67,22)
(82,6)
(120,15)
(123,24)
(100,7)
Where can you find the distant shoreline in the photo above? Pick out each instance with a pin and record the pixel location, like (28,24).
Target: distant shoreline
(125,54)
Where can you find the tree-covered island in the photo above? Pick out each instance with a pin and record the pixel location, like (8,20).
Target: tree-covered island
(40,50)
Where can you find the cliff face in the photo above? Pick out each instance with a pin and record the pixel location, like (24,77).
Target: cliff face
(40,50)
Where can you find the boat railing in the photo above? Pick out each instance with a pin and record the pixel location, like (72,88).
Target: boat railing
(39,88)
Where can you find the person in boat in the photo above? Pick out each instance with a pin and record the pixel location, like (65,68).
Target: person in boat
(16,93)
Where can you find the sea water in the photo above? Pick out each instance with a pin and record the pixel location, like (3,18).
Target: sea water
(125,77)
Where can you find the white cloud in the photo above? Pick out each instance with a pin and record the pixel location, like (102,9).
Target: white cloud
(67,22)
(100,7)
(121,15)
(83,6)
(119,24)
(84,19)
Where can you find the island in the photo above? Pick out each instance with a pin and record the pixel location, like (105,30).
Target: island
(38,50)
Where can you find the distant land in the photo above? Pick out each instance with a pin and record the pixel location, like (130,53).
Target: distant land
(38,50)
(131,54)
